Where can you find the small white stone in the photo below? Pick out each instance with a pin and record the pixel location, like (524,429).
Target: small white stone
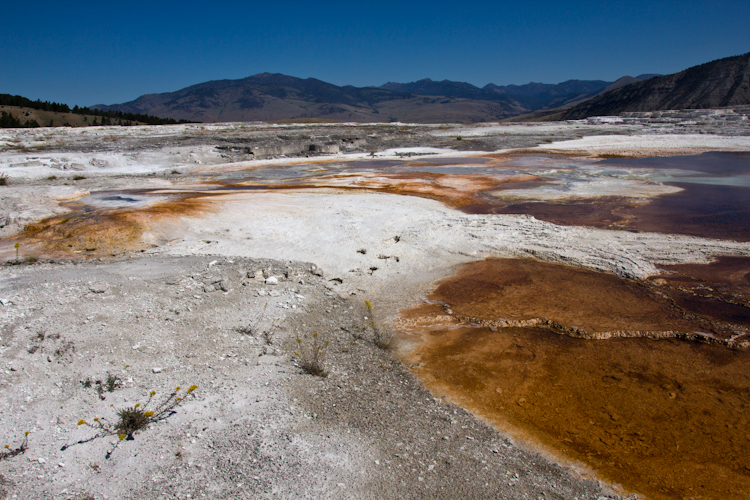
(156,370)
(272,280)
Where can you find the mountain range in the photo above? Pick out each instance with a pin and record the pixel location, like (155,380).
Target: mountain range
(274,96)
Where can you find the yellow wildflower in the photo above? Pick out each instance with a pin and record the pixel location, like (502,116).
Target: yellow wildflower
(81,422)
(122,436)
(148,414)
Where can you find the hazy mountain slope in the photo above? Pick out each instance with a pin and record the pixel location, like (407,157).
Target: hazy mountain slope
(534,89)
(531,96)
(269,97)
(724,82)
(619,83)
(443,88)
(536,96)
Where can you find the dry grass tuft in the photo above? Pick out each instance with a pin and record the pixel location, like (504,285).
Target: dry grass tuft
(311,355)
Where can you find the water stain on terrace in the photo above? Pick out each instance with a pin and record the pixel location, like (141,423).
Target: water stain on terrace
(714,201)
(707,211)
(665,418)
(713,163)
(719,291)
(303,171)
(472,184)
(91,231)
(594,212)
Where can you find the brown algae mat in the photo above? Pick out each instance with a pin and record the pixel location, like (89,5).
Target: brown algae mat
(701,210)
(664,418)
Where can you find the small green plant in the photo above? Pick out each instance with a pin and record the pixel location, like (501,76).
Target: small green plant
(3,180)
(311,355)
(113,382)
(110,384)
(79,177)
(135,418)
(9,452)
(458,137)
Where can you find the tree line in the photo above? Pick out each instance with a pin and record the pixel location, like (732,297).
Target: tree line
(7,121)
(107,117)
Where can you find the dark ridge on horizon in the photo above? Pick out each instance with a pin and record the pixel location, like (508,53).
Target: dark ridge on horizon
(274,96)
(719,83)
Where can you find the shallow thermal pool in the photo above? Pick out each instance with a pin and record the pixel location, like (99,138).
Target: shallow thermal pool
(702,195)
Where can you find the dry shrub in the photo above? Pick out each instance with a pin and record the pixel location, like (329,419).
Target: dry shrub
(311,355)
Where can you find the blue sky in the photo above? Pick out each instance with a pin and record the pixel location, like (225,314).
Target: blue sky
(111,52)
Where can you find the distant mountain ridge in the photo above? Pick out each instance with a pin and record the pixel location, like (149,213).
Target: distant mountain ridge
(274,96)
(719,83)
(532,96)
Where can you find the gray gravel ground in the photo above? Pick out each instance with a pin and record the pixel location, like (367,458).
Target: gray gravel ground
(259,426)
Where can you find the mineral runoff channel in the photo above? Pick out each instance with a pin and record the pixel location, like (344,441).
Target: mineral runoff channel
(643,379)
